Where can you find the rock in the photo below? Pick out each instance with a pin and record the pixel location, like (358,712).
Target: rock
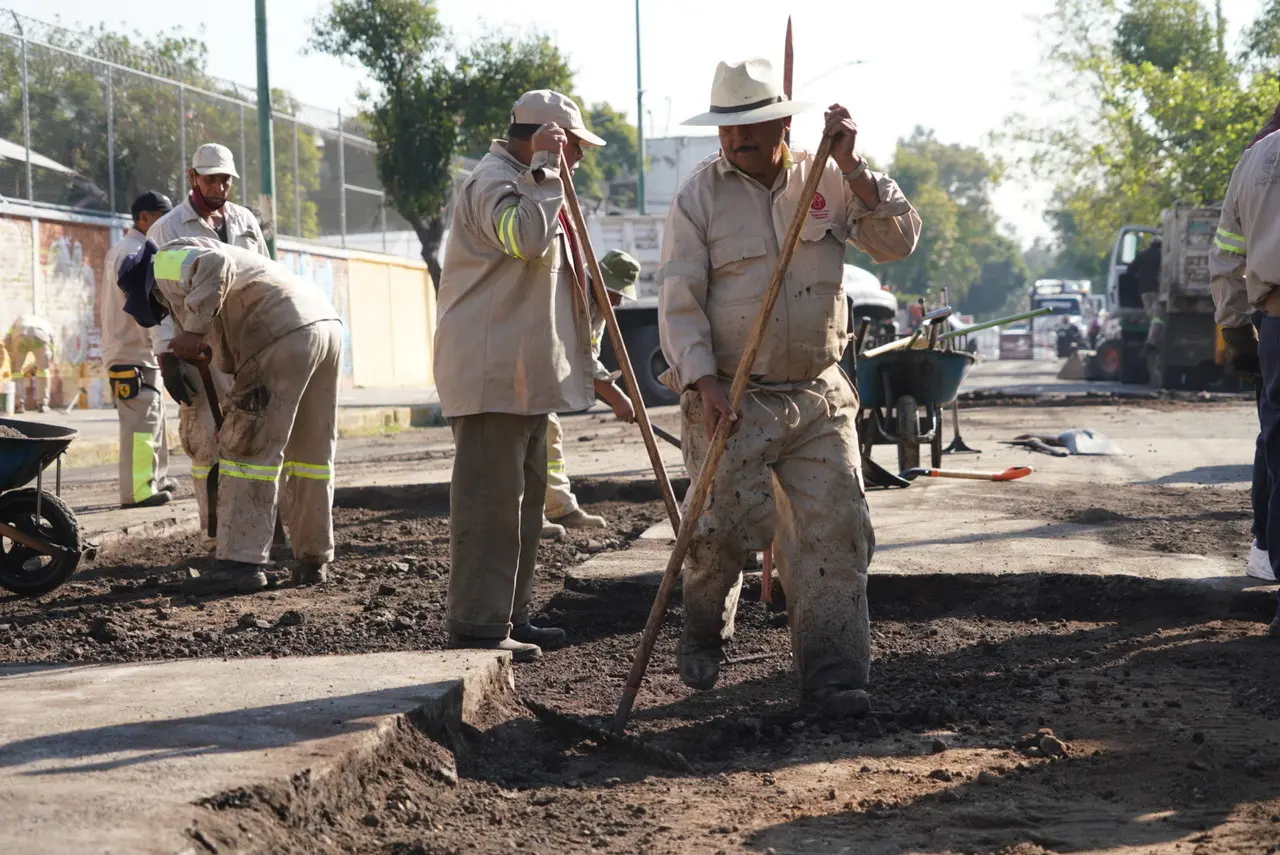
(942,775)
(5,627)
(105,630)
(593,546)
(402,623)
(987,779)
(1253,767)
(1052,746)
(248,620)
(371,819)
(938,746)
(385,590)
(398,567)
(293,617)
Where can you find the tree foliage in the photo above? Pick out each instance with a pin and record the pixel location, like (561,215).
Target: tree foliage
(68,98)
(1161,115)
(436,100)
(960,246)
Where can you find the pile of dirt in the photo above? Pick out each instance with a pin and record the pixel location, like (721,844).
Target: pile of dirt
(7,432)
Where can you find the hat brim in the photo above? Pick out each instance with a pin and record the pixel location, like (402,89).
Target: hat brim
(586,136)
(215,170)
(767,113)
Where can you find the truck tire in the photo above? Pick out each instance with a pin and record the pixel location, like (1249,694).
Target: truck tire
(645,350)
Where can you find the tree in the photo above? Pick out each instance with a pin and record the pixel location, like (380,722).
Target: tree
(435,101)
(617,160)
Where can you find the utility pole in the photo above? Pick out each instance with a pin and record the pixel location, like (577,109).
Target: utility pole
(266,139)
(639,123)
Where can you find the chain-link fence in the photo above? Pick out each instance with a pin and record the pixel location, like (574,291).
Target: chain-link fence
(86,123)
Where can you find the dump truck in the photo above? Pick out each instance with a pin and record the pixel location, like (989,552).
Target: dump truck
(1160,328)
(640,235)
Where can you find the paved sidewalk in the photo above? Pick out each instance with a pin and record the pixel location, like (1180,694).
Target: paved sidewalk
(114,758)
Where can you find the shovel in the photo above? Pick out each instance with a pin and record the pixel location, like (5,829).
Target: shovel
(1011,474)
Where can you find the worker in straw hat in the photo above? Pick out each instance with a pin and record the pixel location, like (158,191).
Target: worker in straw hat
(620,272)
(791,469)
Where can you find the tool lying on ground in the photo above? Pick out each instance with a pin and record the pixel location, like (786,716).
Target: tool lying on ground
(581,729)
(696,498)
(1072,442)
(1013,473)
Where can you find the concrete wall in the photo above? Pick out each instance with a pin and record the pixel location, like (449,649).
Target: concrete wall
(51,264)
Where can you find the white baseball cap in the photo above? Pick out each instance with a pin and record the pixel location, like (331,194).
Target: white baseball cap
(542,105)
(214,159)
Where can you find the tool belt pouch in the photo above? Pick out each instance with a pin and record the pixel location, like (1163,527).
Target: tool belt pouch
(126,381)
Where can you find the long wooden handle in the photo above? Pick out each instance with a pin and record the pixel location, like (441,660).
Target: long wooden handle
(697,496)
(619,346)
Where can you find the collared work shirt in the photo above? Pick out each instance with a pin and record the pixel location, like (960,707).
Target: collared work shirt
(124,340)
(514,334)
(1244,263)
(720,245)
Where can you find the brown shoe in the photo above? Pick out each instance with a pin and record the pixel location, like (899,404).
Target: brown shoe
(227,577)
(580,519)
(519,652)
(304,573)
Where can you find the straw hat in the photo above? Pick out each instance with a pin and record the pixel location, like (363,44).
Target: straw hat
(747,92)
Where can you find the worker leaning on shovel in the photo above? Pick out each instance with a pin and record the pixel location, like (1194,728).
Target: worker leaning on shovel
(280,340)
(792,468)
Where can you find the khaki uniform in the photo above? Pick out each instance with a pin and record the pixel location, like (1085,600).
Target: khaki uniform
(127,354)
(281,341)
(196,427)
(31,334)
(792,471)
(513,344)
(560,500)
(1244,263)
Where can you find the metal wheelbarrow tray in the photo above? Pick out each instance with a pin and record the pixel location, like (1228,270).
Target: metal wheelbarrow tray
(39,535)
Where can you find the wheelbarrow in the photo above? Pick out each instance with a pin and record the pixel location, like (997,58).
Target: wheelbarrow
(39,535)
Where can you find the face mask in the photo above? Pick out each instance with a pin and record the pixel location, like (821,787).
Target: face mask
(205,202)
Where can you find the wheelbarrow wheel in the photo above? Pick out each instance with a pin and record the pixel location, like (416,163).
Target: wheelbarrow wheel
(908,434)
(23,570)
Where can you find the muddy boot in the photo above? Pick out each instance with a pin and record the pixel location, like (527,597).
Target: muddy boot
(227,577)
(551,531)
(168,485)
(579,518)
(843,703)
(519,651)
(155,500)
(548,638)
(305,573)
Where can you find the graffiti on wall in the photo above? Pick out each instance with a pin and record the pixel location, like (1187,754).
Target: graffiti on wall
(330,276)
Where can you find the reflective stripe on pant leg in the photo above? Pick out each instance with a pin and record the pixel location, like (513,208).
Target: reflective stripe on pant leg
(313,471)
(559,499)
(247,471)
(143,477)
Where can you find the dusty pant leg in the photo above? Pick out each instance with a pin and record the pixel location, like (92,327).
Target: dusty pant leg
(141,440)
(486,518)
(44,357)
(736,518)
(306,498)
(196,432)
(535,488)
(257,420)
(559,493)
(161,429)
(825,542)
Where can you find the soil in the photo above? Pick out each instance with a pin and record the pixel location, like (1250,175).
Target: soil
(1012,715)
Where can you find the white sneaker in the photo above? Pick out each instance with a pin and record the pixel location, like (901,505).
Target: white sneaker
(1259,566)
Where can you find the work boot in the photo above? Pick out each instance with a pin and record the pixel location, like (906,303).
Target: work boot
(551,531)
(843,703)
(168,485)
(699,667)
(520,652)
(44,408)
(1259,566)
(155,500)
(578,518)
(304,573)
(548,637)
(227,577)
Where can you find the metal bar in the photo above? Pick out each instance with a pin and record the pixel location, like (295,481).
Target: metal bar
(266,131)
(111,147)
(15,534)
(356,188)
(26,114)
(639,123)
(342,184)
(182,135)
(297,182)
(382,218)
(57,484)
(39,482)
(244,160)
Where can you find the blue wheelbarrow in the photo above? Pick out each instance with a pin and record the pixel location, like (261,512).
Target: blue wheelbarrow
(39,535)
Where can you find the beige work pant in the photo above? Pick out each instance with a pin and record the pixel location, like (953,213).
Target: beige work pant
(19,347)
(144,444)
(793,472)
(281,420)
(495,520)
(560,500)
(196,432)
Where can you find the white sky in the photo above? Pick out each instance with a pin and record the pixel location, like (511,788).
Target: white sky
(957,67)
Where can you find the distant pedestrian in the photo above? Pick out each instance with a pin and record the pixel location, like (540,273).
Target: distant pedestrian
(31,335)
(513,344)
(128,352)
(1245,277)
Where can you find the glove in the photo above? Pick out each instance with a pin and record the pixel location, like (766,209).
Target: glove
(175,382)
(1242,349)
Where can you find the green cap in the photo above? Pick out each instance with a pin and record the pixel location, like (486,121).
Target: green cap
(620,272)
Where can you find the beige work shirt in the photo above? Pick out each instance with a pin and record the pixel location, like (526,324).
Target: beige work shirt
(32,328)
(124,340)
(1244,263)
(238,300)
(514,334)
(719,248)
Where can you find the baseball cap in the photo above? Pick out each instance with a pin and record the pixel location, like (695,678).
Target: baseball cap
(542,105)
(214,159)
(620,272)
(149,202)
